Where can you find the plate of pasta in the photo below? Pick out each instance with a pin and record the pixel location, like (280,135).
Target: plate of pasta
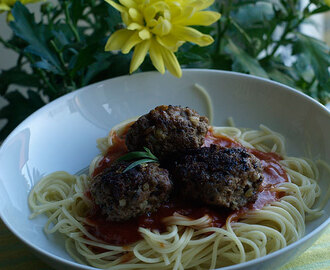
(216,170)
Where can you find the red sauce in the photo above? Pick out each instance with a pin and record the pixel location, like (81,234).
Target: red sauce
(117,150)
(273,171)
(125,233)
(115,233)
(219,140)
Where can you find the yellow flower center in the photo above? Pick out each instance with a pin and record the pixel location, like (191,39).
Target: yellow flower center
(149,18)
(158,18)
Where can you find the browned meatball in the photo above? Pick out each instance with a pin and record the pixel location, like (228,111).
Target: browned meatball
(122,196)
(166,130)
(226,177)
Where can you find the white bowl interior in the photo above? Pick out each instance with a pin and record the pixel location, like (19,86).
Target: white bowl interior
(62,135)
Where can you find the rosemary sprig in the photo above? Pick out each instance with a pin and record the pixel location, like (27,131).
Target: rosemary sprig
(138,162)
(142,157)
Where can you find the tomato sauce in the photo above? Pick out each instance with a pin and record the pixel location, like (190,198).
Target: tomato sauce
(223,141)
(115,151)
(125,233)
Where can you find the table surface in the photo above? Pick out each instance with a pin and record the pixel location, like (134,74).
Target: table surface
(16,256)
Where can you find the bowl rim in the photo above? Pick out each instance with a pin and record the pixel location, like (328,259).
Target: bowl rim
(283,87)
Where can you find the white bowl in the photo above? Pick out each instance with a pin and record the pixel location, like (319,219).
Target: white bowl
(62,136)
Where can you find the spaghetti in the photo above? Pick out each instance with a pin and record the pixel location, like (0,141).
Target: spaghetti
(186,243)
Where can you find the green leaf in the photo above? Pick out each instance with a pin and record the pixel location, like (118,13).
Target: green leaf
(61,38)
(18,108)
(254,13)
(85,57)
(138,162)
(133,155)
(17,77)
(277,5)
(113,18)
(321,9)
(142,157)
(138,155)
(281,77)
(241,31)
(319,56)
(151,155)
(324,93)
(119,66)
(35,100)
(45,65)
(302,67)
(76,9)
(25,27)
(193,56)
(248,63)
(95,69)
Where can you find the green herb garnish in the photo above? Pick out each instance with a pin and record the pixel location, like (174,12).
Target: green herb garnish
(141,157)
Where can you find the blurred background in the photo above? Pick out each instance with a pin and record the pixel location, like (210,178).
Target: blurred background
(299,62)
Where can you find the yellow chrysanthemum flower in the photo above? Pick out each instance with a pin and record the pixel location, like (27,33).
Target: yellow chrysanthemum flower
(6,5)
(160,27)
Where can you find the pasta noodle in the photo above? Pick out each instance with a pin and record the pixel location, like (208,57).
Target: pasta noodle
(187,243)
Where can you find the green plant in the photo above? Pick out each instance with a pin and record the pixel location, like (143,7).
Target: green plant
(65,50)
(138,158)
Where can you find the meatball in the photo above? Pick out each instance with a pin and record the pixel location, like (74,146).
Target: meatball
(166,130)
(122,196)
(215,175)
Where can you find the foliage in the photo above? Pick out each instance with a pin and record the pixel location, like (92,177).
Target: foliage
(65,49)
(138,158)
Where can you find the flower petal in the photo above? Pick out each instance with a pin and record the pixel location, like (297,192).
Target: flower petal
(136,15)
(162,28)
(156,56)
(203,4)
(117,40)
(4,7)
(191,35)
(188,11)
(171,62)
(115,5)
(131,42)
(128,3)
(10,17)
(139,54)
(134,26)
(23,1)
(152,23)
(149,13)
(175,8)
(144,34)
(126,18)
(170,42)
(199,18)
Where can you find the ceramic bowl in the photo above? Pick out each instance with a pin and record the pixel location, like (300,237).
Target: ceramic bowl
(62,136)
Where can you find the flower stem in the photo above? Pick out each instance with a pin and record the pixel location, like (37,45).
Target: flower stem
(222,30)
(10,46)
(60,55)
(20,52)
(69,22)
(289,28)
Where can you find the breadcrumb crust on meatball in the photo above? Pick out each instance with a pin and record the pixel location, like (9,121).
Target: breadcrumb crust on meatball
(122,196)
(225,177)
(166,130)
